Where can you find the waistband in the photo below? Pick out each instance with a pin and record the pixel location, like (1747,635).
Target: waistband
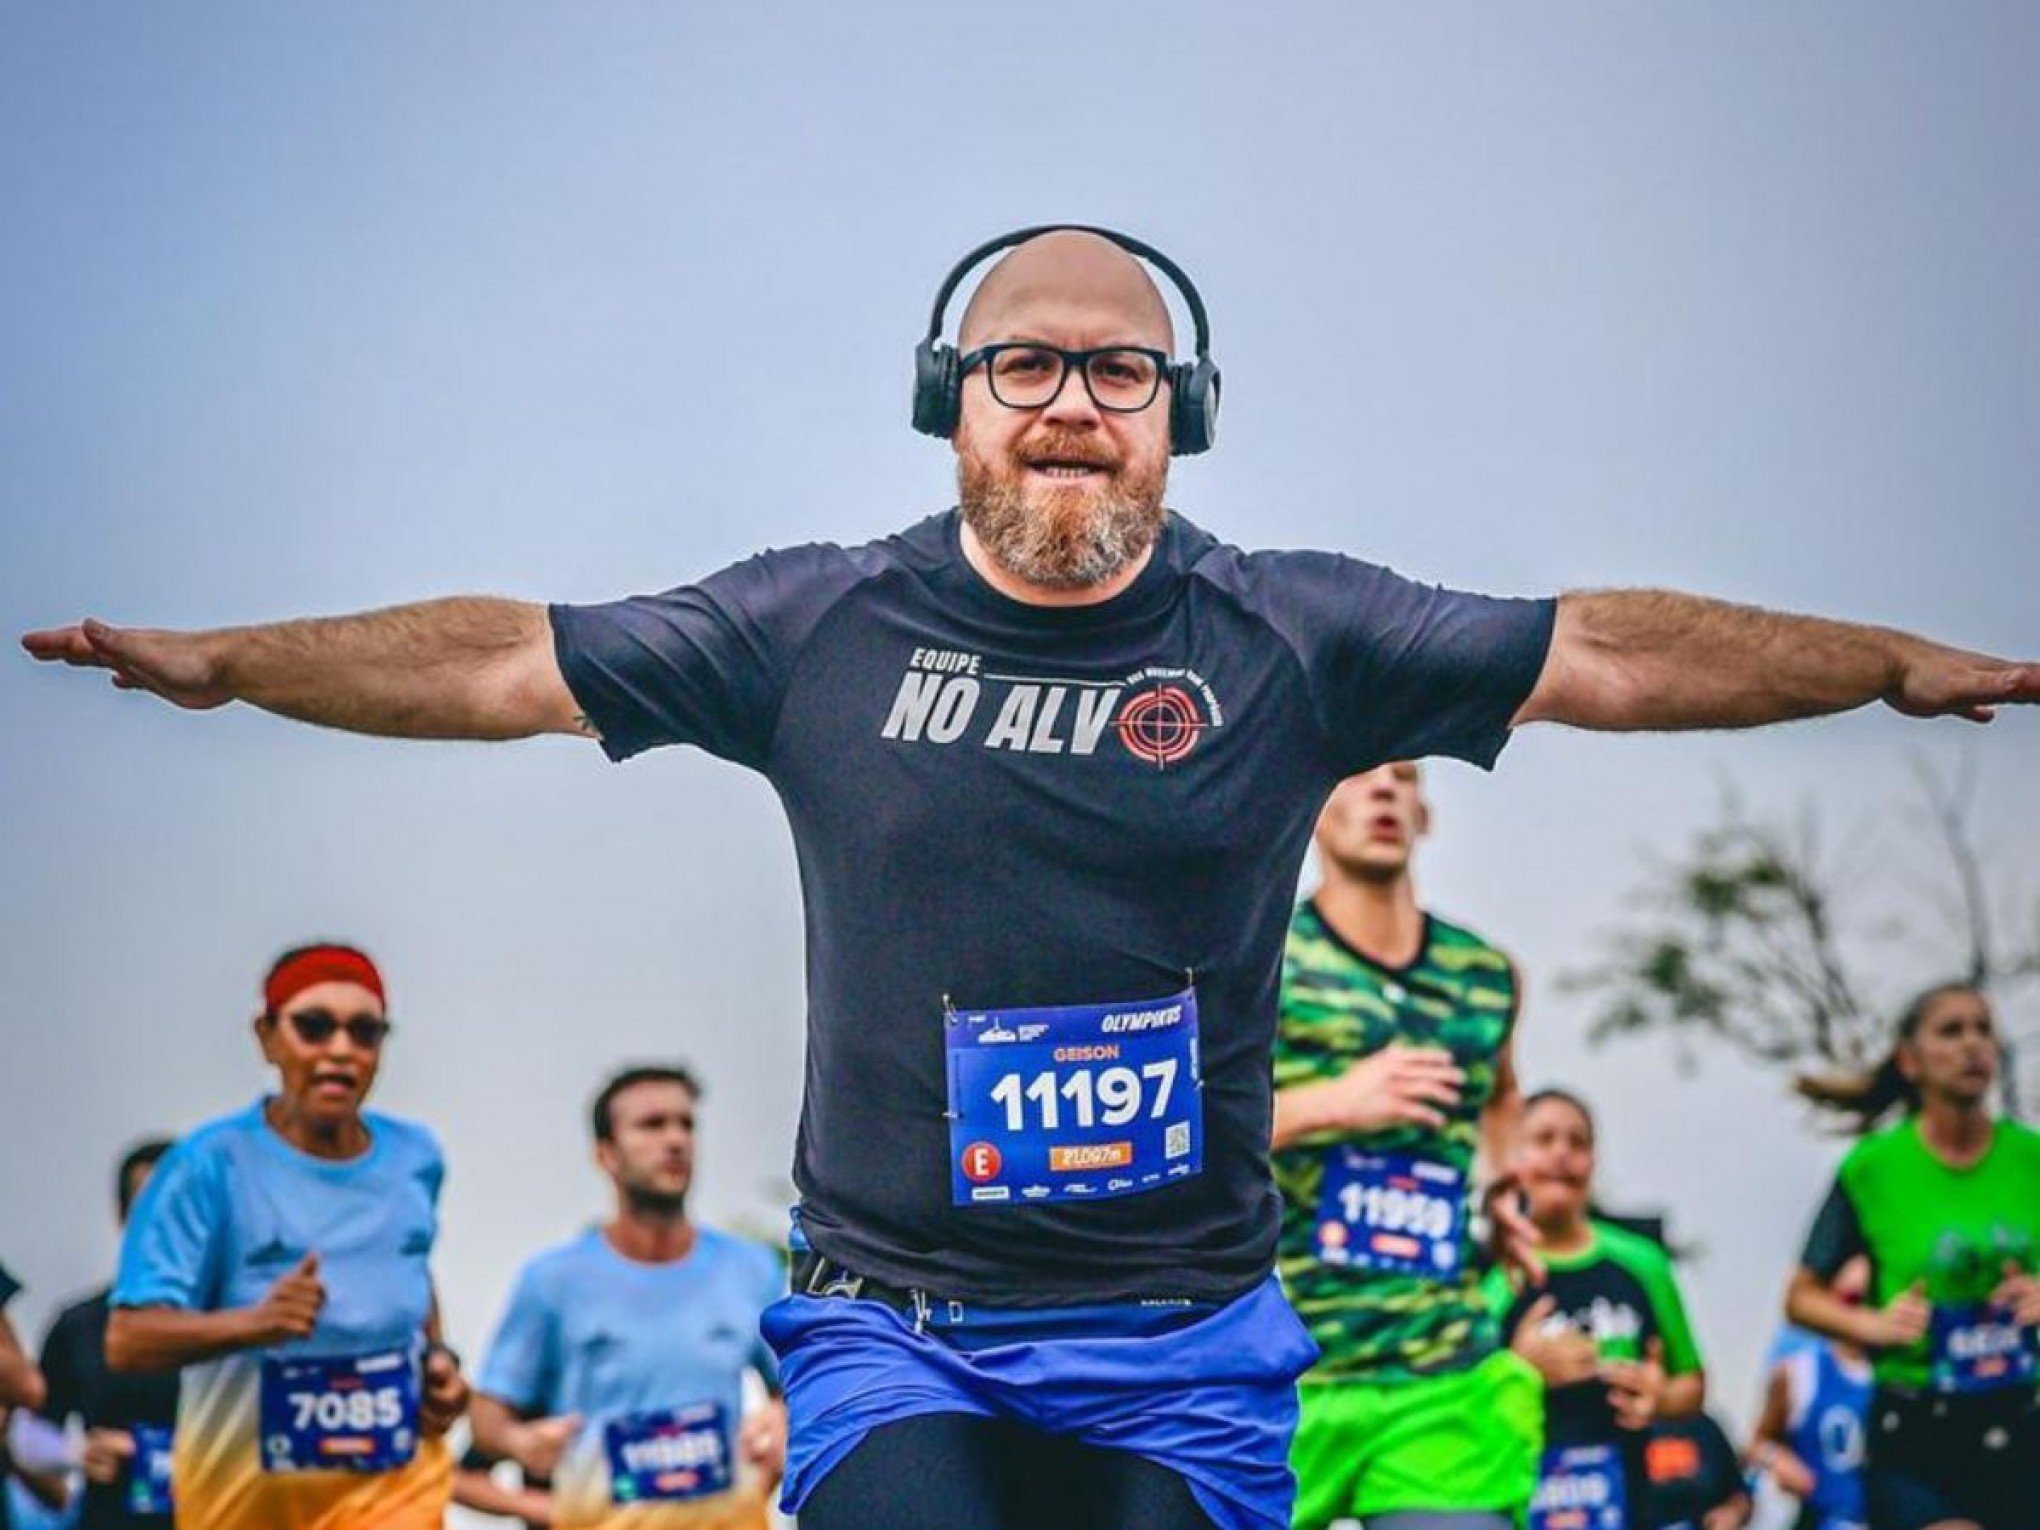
(1958,1407)
(818,1276)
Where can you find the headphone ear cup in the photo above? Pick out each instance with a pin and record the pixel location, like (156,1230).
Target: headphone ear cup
(1193,407)
(938,389)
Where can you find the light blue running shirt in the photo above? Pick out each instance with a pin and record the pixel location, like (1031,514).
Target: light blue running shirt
(228,1211)
(591,1332)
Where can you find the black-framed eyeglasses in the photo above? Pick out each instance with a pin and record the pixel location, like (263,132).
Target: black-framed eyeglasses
(315,1027)
(1122,379)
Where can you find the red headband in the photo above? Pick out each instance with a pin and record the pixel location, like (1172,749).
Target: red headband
(320,964)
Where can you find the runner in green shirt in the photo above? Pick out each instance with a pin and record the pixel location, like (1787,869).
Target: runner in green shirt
(1392,1070)
(1946,1204)
(1606,1328)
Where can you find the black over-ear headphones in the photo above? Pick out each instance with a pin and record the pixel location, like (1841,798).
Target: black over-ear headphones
(1193,385)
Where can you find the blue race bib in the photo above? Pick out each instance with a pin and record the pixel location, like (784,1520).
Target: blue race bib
(346,1413)
(1079,1102)
(1388,1211)
(148,1484)
(668,1453)
(1979,1348)
(1580,1487)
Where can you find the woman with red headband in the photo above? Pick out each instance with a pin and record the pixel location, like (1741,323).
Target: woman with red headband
(280,1256)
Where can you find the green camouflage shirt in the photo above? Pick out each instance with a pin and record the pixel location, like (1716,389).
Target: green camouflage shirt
(1337,1007)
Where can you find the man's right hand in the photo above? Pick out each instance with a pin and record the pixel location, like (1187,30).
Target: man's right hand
(1900,1323)
(181,667)
(537,1444)
(290,1308)
(1397,1086)
(107,1453)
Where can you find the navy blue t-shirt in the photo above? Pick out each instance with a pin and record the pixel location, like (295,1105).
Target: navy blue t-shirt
(998,805)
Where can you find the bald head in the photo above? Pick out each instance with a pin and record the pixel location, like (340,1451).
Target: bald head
(1070,280)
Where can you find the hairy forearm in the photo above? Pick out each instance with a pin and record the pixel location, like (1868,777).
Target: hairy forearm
(468,667)
(1655,659)
(170,1338)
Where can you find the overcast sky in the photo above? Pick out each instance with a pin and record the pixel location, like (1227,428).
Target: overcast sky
(308,309)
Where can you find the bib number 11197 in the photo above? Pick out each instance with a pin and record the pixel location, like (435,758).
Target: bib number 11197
(1082,1101)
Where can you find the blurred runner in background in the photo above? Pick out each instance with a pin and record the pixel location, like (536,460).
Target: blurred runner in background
(280,1257)
(1392,1071)
(618,1372)
(1945,1203)
(1606,1327)
(128,1419)
(1696,1480)
(1808,1437)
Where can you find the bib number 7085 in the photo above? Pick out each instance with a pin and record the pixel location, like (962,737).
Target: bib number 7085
(382,1408)
(1112,1097)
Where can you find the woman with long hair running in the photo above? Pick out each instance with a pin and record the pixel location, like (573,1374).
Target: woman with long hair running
(1945,1203)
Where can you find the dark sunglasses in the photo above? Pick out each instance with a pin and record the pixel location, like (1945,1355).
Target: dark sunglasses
(315,1027)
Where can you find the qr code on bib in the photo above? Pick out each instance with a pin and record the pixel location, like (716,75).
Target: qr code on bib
(1176,1141)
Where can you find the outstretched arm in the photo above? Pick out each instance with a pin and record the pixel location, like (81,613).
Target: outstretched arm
(470,667)
(1652,659)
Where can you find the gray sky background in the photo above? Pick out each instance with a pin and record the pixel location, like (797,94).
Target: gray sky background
(314,309)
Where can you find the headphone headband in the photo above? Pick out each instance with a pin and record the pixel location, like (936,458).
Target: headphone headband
(1147,252)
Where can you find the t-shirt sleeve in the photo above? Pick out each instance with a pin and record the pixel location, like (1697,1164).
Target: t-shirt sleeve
(170,1254)
(1675,1329)
(1400,670)
(59,1365)
(1720,1466)
(522,1367)
(705,664)
(1837,1235)
(1502,1300)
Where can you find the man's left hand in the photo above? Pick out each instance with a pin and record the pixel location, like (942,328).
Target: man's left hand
(445,1393)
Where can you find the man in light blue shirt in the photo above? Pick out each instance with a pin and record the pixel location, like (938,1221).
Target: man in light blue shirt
(618,1370)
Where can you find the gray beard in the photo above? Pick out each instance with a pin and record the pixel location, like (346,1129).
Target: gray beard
(1059,549)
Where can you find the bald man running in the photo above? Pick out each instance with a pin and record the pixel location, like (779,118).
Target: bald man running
(1051,761)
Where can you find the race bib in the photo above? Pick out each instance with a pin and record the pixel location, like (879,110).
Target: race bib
(668,1453)
(1979,1348)
(1081,1102)
(148,1484)
(339,1413)
(1386,1211)
(1580,1487)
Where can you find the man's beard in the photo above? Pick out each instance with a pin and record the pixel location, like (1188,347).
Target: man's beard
(647,1202)
(1079,537)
